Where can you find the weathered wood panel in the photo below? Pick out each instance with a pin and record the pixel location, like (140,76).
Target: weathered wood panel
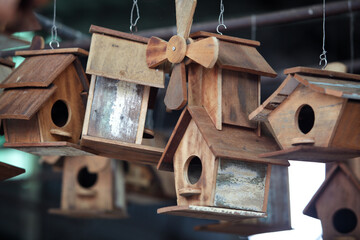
(123,60)
(115,110)
(240,185)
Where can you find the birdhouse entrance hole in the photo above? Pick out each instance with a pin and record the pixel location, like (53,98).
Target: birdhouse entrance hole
(194,169)
(86,179)
(344,220)
(305,118)
(60,113)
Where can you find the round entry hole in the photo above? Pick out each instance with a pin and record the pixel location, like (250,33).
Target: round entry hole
(306,118)
(60,113)
(194,169)
(344,220)
(86,179)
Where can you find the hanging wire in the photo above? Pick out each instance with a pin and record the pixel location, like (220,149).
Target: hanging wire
(323,57)
(54,30)
(253,27)
(221,18)
(133,23)
(352,46)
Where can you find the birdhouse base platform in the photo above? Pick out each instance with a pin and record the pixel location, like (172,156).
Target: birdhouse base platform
(313,154)
(131,152)
(115,214)
(50,148)
(214,213)
(8,171)
(239,228)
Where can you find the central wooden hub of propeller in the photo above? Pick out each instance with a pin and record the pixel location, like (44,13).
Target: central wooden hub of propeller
(176,49)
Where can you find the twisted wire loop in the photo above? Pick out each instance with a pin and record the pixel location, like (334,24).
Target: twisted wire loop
(133,23)
(322,56)
(221,18)
(54,31)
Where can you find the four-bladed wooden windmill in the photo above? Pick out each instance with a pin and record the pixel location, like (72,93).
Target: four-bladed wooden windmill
(204,52)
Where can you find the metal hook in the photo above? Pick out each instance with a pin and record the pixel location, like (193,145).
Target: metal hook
(220,25)
(131,28)
(323,58)
(54,41)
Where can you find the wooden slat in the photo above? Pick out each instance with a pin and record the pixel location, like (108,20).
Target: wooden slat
(142,115)
(215,213)
(115,110)
(195,75)
(243,58)
(313,154)
(31,53)
(123,60)
(8,171)
(319,72)
(185,10)
(118,34)
(22,131)
(23,103)
(202,34)
(38,71)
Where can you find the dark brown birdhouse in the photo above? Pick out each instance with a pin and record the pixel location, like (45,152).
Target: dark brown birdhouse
(337,205)
(278,210)
(92,187)
(217,173)
(43,104)
(119,96)
(8,171)
(314,115)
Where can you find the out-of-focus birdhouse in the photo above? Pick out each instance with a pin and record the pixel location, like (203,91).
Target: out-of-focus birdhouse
(337,205)
(8,171)
(92,187)
(314,115)
(217,173)
(43,103)
(119,96)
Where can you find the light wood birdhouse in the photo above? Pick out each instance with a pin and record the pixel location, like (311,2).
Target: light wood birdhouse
(119,96)
(43,104)
(217,173)
(92,187)
(314,115)
(337,205)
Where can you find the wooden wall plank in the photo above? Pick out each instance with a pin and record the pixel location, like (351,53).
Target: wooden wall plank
(142,117)
(22,131)
(195,72)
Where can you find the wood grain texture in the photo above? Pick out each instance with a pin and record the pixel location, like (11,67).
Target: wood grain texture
(212,94)
(243,58)
(313,154)
(214,213)
(205,51)
(22,131)
(22,103)
(118,34)
(195,76)
(240,92)
(176,93)
(31,53)
(347,133)
(319,72)
(327,110)
(33,73)
(8,171)
(115,110)
(202,34)
(185,10)
(104,61)
(142,115)
(156,52)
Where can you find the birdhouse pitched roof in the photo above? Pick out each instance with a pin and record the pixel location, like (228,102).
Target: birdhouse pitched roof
(239,54)
(29,86)
(231,142)
(310,209)
(332,83)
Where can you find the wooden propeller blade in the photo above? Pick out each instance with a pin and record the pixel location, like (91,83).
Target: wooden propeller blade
(176,94)
(184,16)
(205,52)
(156,52)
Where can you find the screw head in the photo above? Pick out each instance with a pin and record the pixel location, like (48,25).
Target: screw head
(173,48)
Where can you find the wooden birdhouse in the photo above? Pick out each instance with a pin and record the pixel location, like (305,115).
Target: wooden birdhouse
(337,205)
(92,187)
(43,103)
(314,115)
(218,67)
(217,173)
(8,171)
(119,96)
(278,211)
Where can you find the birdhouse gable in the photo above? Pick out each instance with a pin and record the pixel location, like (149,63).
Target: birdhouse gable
(121,56)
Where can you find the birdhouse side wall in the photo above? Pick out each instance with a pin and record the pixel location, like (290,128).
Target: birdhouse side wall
(22,131)
(242,185)
(284,120)
(339,194)
(193,145)
(347,134)
(62,116)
